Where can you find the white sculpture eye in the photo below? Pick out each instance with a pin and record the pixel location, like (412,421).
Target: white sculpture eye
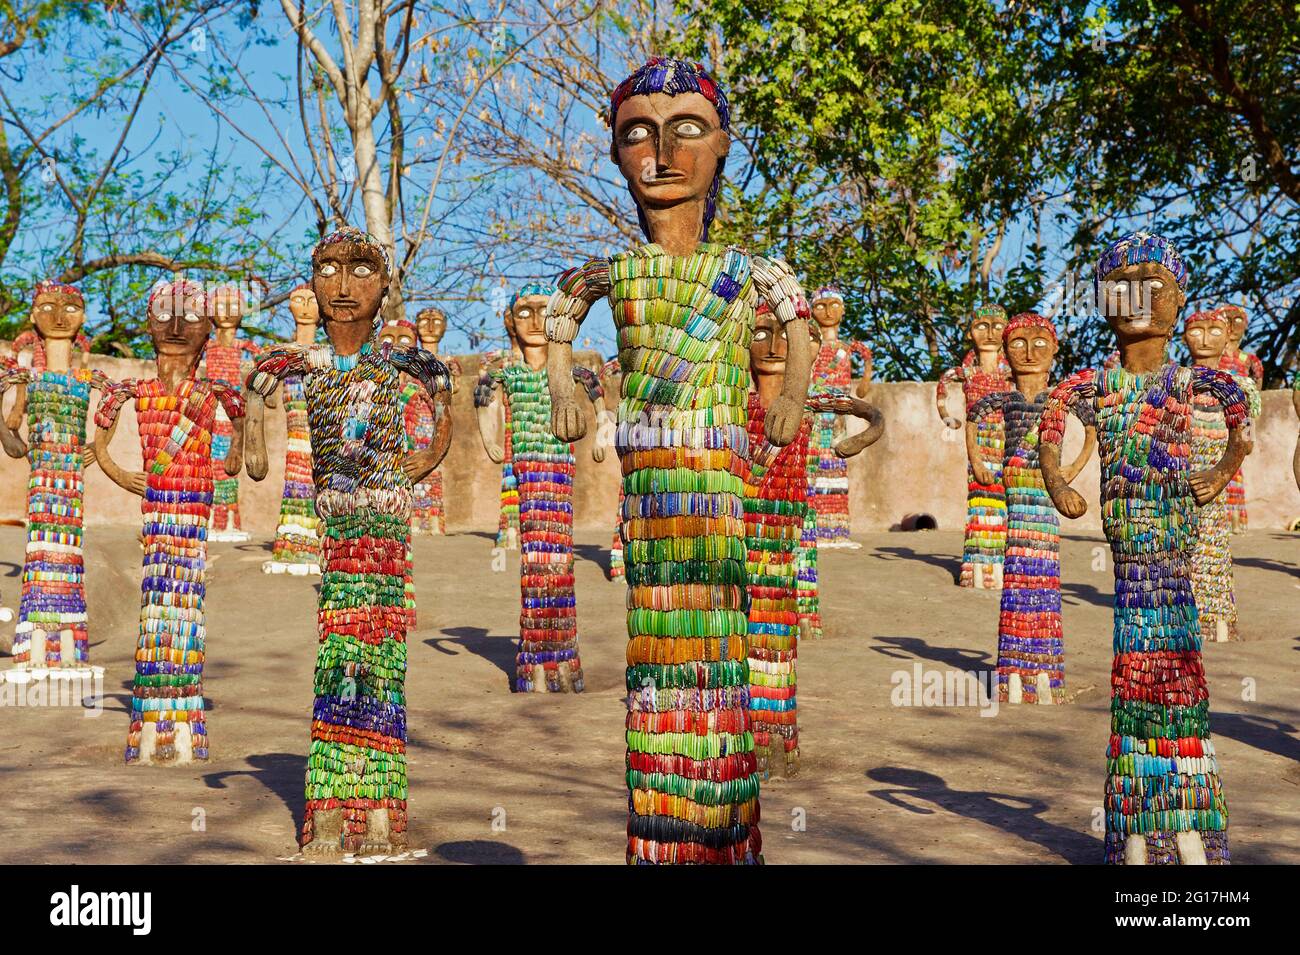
(327,268)
(637,134)
(361,271)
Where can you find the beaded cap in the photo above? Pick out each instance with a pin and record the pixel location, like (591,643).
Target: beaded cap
(1217,315)
(1029,320)
(532,288)
(177,291)
(1133,248)
(355,236)
(46,287)
(1229,312)
(662,74)
(827,291)
(990,310)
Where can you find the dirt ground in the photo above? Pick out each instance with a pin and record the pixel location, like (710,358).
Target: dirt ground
(502,778)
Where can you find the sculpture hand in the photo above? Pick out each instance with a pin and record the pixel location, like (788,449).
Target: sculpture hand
(1206,485)
(417,464)
(14,446)
(88,457)
(495,454)
(568,423)
(1070,502)
(783,420)
(980,472)
(136,482)
(234,461)
(952,422)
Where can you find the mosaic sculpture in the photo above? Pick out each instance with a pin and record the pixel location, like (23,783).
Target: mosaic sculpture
(1164,803)
(1244,365)
(227,359)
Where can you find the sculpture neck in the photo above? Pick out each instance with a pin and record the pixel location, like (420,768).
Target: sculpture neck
(988,360)
(348,338)
(304,334)
(1031,384)
(226,336)
(831,333)
(430,345)
(768,387)
(58,354)
(677,229)
(175,370)
(535,356)
(1144,355)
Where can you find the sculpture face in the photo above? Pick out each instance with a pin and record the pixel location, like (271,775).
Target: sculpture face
(303,307)
(1030,350)
(529,328)
(1206,338)
(986,333)
(1236,324)
(432,325)
(399,336)
(179,326)
(770,348)
(828,312)
(350,283)
(227,307)
(1141,301)
(57,316)
(668,147)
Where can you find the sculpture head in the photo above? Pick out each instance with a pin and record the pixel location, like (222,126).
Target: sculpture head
(431,324)
(669,123)
(523,316)
(303,307)
(1206,335)
(827,306)
(1237,320)
(1140,282)
(987,325)
(180,319)
(400,334)
(58,311)
(350,278)
(227,305)
(769,348)
(1030,343)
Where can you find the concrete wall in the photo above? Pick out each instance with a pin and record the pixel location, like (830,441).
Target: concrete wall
(918,467)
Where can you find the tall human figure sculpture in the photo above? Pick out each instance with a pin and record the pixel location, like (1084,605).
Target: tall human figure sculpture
(828,473)
(429,510)
(227,359)
(983,371)
(296,549)
(776,506)
(489,365)
(1031,644)
(1244,365)
(684,314)
(176,413)
(547,660)
(1206,335)
(1164,803)
(356,765)
(55,398)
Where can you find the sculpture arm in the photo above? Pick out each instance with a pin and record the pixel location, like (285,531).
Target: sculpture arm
(435,378)
(487,410)
(272,365)
(14,445)
(989,404)
(106,420)
(576,290)
(950,377)
(1208,484)
(1075,392)
(863,351)
(233,402)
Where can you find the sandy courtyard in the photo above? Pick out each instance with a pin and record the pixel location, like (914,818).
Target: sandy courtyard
(496,777)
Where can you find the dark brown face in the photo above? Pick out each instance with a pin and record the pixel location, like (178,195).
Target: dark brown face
(827,312)
(1236,325)
(432,325)
(986,333)
(1141,301)
(350,283)
(303,307)
(527,321)
(1206,338)
(1031,350)
(769,348)
(668,147)
(57,316)
(179,326)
